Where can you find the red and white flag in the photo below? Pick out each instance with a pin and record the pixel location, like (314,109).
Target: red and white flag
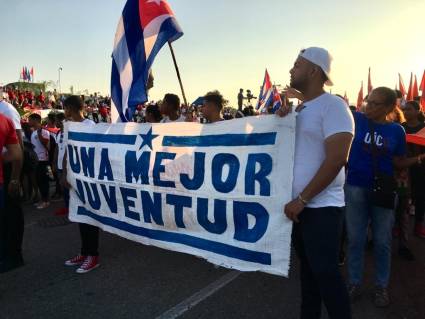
(410,91)
(369,84)
(360,98)
(401,86)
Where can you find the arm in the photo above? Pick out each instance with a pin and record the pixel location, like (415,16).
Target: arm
(19,135)
(14,155)
(401,162)
(64,181)
(43,140)
(55,160)
(337,149)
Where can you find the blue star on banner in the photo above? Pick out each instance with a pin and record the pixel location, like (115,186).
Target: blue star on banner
(147,139)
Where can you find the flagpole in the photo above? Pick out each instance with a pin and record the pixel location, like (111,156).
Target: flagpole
(178,73)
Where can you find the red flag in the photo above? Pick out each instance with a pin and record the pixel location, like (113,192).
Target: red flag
(32,71)
(360,98)
(369,84)
(415,89)
(422,86)
(24,75)
(422,102)
(346,98)
(410,91)
(417,138)
(401,86)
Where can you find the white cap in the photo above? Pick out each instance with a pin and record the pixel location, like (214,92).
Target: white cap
(320,57)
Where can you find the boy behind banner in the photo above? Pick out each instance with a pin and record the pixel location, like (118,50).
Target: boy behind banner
(88,259)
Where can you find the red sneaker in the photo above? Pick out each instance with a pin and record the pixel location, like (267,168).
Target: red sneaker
(420,230)
(61,211)
(91,262)
(75,261)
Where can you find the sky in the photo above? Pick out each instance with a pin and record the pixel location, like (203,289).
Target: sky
(227,44)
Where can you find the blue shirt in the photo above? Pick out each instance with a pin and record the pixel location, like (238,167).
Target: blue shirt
(390,140)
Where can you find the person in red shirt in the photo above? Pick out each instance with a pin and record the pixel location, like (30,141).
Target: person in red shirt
(21,97)
(13,154)
(30,96)
(41,98)
(9,140)
(11,94)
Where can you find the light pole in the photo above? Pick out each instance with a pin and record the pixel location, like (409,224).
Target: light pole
(59,78)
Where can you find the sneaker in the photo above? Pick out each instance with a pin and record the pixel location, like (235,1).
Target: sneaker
(381,297)
(75,261)
(420,231)
(43,205)
(61,211)
(406,254)
(353,292)
(91,262)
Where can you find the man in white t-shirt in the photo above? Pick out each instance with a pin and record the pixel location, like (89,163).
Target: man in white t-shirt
(324,133)
(170,109)
(40,139)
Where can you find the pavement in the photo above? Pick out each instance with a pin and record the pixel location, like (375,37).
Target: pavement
(137,281)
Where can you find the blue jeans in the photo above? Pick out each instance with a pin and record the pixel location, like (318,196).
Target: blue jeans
(359,212)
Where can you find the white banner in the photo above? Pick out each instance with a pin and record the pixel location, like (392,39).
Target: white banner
(216,191)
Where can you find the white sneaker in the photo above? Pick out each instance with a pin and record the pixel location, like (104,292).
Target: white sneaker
(43,205)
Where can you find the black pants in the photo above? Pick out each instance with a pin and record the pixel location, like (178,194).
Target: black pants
(317,242)
(89,240)
(402,219)
(43,180)
(11,222)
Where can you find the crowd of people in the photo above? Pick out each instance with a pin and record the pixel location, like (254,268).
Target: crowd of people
(335,211)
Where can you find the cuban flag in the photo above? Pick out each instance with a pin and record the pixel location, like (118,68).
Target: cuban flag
(144,27)
(266,94)
(277,100)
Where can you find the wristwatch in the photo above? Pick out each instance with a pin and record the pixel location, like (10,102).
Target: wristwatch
(302,200)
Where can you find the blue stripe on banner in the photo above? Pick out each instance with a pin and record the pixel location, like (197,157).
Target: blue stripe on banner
(102,138)
(178,238)
(221,140)
(136,50)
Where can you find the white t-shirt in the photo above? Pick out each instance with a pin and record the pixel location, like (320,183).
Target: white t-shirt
(166,119)
(61,148)
(88,121)
(10,111)
(319,119)
(39,149)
